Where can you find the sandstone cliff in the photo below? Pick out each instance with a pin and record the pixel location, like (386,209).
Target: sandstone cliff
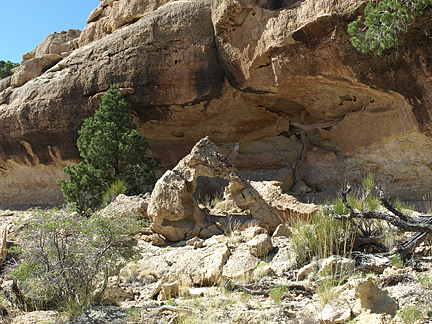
(238,71)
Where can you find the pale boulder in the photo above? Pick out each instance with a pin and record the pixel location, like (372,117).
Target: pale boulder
(306,270)
(252,231)
(336,311)
(128,206)
(374,298)
(202,267)
(33,68)
(128,11)
(55,43)
(115,293)
(260,245)
(288,207)
(241,264)
(336,265)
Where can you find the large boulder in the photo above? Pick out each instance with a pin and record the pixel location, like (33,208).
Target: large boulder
(56,43)
(288,207)
(111,15)
(50,51)
(128,206)
(241,264)
(174,211)
(32,68)
(202,267)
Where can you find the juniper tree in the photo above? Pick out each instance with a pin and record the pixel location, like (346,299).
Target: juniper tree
(112,149)
(383,22)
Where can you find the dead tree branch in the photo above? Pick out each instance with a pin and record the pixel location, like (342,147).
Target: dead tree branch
(421,226)
(303,129)
(263,288)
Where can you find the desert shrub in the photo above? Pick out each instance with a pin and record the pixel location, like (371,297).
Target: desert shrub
(277,293)
(325,235)
(410,314)
(425,280)
(62,257)
(327,287)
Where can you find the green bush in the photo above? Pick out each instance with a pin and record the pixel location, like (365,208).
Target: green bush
(62,257)
(410,314)
(329,236)
(383,22)
(113,150)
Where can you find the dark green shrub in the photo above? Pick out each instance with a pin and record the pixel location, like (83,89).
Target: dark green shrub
(383,22)
(5,68)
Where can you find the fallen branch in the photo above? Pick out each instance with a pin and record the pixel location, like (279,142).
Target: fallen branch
(264,288)
(178,309)
(421,226)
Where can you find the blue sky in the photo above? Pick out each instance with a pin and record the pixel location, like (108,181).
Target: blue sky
(25,23)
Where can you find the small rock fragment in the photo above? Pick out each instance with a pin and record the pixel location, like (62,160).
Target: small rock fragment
(158,239)
(281,230)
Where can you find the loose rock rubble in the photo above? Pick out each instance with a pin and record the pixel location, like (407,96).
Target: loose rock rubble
(235,279)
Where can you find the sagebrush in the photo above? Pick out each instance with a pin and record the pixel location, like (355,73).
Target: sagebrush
(63,256)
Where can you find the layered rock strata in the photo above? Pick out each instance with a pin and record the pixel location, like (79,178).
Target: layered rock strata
(241,72)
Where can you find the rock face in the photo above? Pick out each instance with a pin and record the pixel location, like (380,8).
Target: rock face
(174,212)
(241,72)
(52,49)
(375,299)
(288,207)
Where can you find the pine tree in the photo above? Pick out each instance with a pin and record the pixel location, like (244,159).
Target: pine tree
(5,68)
(112,150)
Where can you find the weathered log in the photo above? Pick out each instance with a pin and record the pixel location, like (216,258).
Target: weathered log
(421,226)
(263,288)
